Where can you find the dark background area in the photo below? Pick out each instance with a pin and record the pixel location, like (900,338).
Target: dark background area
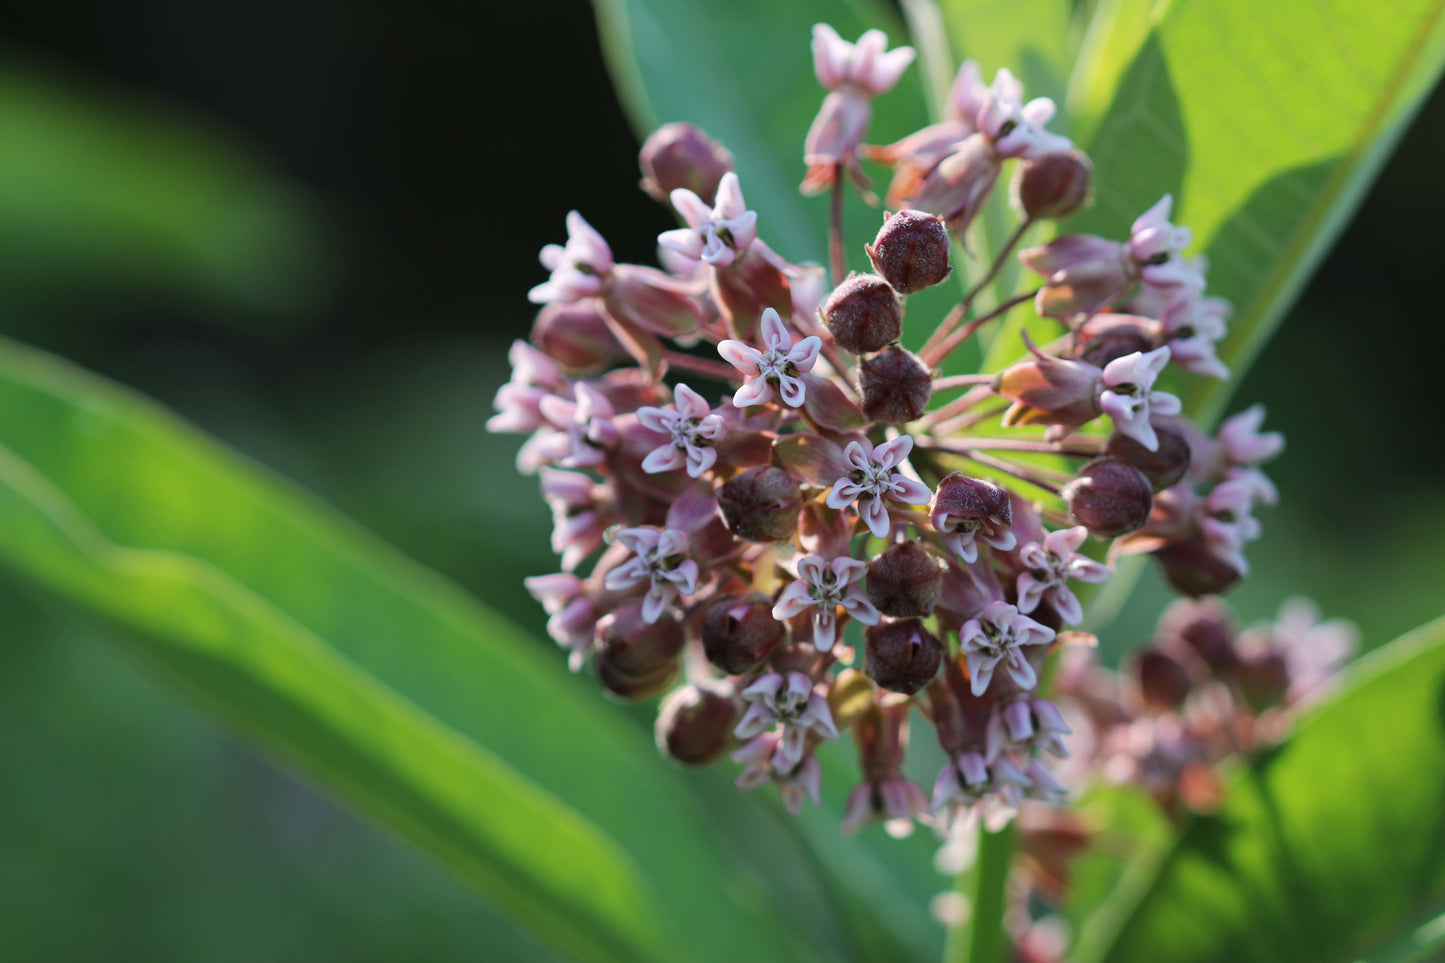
(435,148)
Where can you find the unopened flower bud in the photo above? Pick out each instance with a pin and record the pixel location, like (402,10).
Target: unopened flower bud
(1264,680)
(739,631)
(911,251)
(1163,680)
(1163,467)
(576,336)
(1109,336)
(904,581)
(761,504)
(1053,186)
(896,386)
(1109,498)
(695,723)
(902,655)
(864,314)
(1195,569)
(680,155)
(1206,627)
(636,658)
(1050,391)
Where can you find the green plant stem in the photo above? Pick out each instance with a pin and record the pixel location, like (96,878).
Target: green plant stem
(980,938)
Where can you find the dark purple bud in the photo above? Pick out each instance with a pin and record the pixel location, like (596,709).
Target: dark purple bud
(896,386)
(1108,337)
(680,155)
(975,499)
(1109,498)
(695,723)
(1206,627)
(864,314)
(902,655)
(911,251)
(1264,680)
(904,581)
(636,658)
(761,504)
(1194,569)
(739,631)
(576,336)
(634,687)
(1053,186)
(1163,680)
(1164,467)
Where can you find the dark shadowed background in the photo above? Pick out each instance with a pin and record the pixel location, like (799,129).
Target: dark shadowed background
(326,274)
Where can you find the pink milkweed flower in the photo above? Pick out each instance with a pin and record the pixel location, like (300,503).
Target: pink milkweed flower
(660,562)
(791,703)
(969,779)
(999,635)
(578,270)
(1244,444)
(1155,245)
(1192,324)
(713,235)
(584,428)
(534,377)
(773,372)
(692,428)
(877,475)
(1083,273)
(572,621)
(853,74)
(1048,568)
(762,765)
(1227,523)
(1128,399)
(894,800)
(1023,724)
(913,157)
(578,523)
(824,586)
(1016,129)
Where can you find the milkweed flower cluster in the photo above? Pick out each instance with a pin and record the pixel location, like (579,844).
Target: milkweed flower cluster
(744,462)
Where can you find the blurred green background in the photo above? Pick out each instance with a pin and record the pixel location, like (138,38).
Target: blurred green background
(310,228)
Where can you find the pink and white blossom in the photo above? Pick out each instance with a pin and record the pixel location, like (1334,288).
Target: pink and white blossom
(792,704)
(1243,442)
(579,269)
(772,372)
(969,779)
(896,801)
(584,429)
(715,235)
(867,65)
(762,765)
(1193,324)
(659,561)
(1155,244)
(999,636)
(1023,725)
(1049,565)
(692,430)
(969,510)
(1128,398)
(878,474)
(824,586)
(1227,522)
(1016,129)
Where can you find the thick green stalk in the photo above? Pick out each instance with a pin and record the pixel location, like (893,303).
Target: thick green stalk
(979,938)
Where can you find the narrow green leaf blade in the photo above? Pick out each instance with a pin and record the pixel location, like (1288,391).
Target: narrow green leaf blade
(1329,850)
(538,860)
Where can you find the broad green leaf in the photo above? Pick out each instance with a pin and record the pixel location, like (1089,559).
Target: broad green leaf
(102,194)
(230,554)
(536,859)
(1028,37)
(1266,121)
(1331,849)
(1115,31)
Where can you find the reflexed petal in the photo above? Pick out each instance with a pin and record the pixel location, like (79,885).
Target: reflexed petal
(775,335)
(811,567)
(668,457)
(691,207)
(655,601)
(740,356)
(699,460)
(656,419)
(793,390)
(754,392)
(796,598)
(825,628)
(684,241)
(911,491)
(1031,591)
(848,570)
(891,454)
(875,515)
(804,354)
(843,494)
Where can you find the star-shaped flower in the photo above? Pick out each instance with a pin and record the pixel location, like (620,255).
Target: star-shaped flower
(762,764)
(1024,724)
(1127,396)
(1014,128)
(1155,245)
(584,428)
(1048,568)
(774,371)
(999,635)
(660,562)
(876,476)
(578,269)
(791,703)
(692,428)
(824,586)
(863,65)
(714,235)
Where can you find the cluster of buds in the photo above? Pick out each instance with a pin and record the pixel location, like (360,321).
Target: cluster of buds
(751,477)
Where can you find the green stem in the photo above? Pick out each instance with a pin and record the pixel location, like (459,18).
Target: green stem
(980,939)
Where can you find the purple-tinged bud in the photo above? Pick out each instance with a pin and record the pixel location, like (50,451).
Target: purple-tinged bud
(576,336)
(1206,627)
(911,251)
(761,504)
(647,298)
(966,510)
(1050,391)
(1163,680)
(1109,498)
(739,631)
(1164,467)
(1194,568)
(864,314)
(904,581)
(895,385)
(695,723)
(902,656)
(679,155)
(1083,274)
(1108,336)
(1053,186)
(636,658)
(1264,680)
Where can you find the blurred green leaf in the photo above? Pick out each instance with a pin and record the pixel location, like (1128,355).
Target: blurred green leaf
(1029,37)
(1266,121)
(1328,850)
(101,193)
(340,654)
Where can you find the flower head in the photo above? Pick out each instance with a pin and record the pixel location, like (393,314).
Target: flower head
(824,586)
(1049,565)
(966,510)
(864,65)
(791,703)
(1014,128)
(1128,399)
(774,371)
(876,476)
(763,763)
(1155,244)
(717,235)
(999,635)
(578,269)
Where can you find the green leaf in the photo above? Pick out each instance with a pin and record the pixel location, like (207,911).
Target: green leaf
(365,669)
(1328,850)
(1029,37)
(1267,146)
